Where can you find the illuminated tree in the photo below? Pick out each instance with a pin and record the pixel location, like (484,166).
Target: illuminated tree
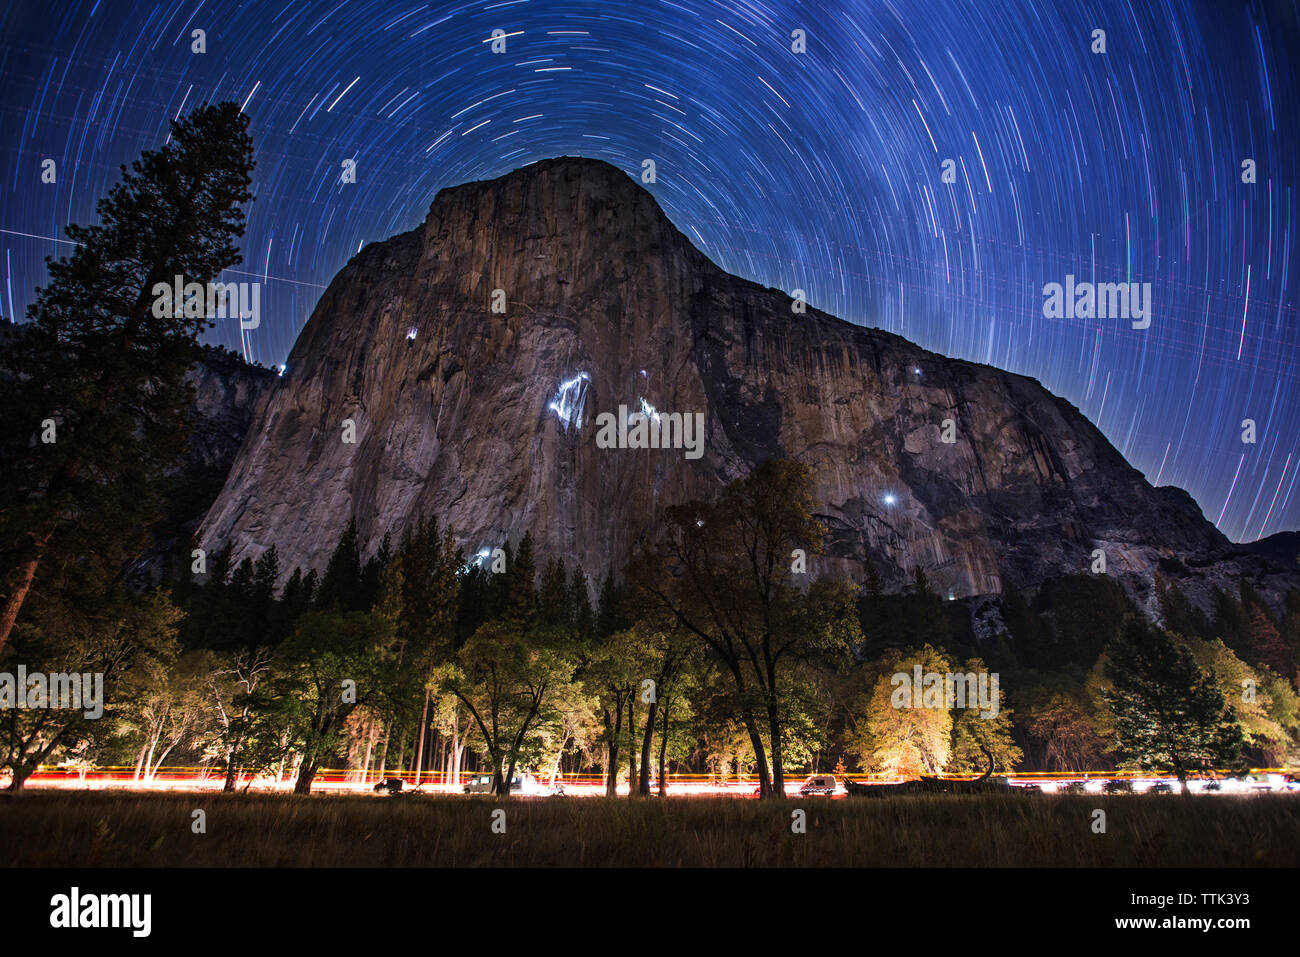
(1061,728)
(898,738)
(973,733)
(511,685)
(114,637)
(331,665)
(1168,713)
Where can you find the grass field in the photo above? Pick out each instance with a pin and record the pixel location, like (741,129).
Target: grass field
(61,829)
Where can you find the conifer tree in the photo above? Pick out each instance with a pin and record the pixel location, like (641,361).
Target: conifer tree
(96,365)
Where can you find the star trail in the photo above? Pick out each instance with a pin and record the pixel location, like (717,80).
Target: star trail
(924,167)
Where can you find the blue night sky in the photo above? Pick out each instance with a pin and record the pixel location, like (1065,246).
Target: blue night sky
(818,170)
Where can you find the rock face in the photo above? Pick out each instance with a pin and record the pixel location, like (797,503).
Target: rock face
(226,392)
(488,420)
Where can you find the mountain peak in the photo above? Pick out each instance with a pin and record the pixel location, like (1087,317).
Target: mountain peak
(565,184)
(582,169)
(471,357)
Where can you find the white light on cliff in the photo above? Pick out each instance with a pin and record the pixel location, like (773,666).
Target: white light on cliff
(410,333)
(891,498)
(570,397)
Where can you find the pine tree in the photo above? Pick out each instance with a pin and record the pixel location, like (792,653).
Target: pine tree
(521,585)
(609,617)
(341,585)
(552,598)
(98,362)
(581,617)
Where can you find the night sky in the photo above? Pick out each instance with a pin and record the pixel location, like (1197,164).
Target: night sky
(818,170)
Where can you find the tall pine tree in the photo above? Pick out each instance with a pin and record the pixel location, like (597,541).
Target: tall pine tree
(94,386)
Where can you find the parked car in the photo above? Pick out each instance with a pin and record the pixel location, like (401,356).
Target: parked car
(1118,786)
(478,784)
(521,783)
(819,784)
(1162,787)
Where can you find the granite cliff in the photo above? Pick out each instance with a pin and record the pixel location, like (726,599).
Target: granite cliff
(487,419)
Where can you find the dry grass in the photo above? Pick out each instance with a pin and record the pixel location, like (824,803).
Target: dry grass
(61,829)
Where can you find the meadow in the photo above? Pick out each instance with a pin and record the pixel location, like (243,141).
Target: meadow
(94,828)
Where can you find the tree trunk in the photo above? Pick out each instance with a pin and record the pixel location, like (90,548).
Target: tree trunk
(755,739)
(611,764)
(14,603)
(232,770)
(647,741)
(370,746)
(760,754)
(778,762)
(419,737)
(663,754)
(457,749)
(306,773)
(632,781)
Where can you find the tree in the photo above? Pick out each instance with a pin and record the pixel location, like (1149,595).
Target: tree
(901,741)
(726,573)
(611,673)
(429,596)
(108,372)
(340,588)
(511,684)
(113,637)
(234,691)
(1253,692)
(1060,727)
(976,735)
(1167,712)
(332,664)
(165,707)
(664,652)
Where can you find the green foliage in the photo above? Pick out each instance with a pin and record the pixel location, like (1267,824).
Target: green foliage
(974,733)
(1168,713)
(123,637)
(333,663)
(511,686)
(725,574)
